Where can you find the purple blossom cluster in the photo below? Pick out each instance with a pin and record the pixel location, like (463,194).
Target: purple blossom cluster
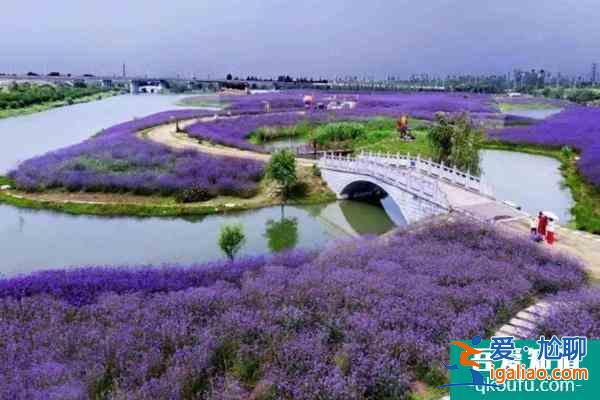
(363,319)
(117,160)
(576,127)
(575,313)
(234,131)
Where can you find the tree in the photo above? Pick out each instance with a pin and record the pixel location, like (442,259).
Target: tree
(456,142)
(282,168)
(229,77)
(231,239)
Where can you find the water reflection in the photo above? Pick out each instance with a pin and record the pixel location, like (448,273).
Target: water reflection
(531,181)
(31,240)
(535,113)
(282,234)
(362,217)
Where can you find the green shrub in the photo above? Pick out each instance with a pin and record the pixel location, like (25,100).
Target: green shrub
(381,123)
(339,132)
(193,195)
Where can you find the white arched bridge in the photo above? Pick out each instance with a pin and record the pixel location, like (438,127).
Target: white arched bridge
(421,188)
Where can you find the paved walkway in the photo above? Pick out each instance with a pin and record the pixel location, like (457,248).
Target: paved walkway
(524,324)
(477,206)
(582,245)
(167,135)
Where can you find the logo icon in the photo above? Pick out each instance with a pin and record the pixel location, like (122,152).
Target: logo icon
(467,352)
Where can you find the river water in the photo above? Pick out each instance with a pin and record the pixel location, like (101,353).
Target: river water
(535,113)
(29,135)
(33,240)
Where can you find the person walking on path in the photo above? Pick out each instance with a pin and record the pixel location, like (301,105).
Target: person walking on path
(550,236)
(542,224)
(533,228)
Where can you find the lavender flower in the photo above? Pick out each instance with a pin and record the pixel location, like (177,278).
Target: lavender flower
(361,320)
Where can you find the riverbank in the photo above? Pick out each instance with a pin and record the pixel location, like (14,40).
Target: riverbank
(586,211)
(313,191)
(55,104)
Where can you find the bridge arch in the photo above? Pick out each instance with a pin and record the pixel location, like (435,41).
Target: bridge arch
(420,188)
(363,190)
(348,185)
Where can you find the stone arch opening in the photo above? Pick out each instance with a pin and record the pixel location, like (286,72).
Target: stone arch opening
(372,193)
(364,191)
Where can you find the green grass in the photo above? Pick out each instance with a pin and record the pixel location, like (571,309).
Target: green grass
(389,141)
(4,180)
(54,104)
(270,133)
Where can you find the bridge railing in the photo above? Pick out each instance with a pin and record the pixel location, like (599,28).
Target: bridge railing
(428,167)
(405,179)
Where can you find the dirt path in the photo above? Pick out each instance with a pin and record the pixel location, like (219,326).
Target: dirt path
(167,135)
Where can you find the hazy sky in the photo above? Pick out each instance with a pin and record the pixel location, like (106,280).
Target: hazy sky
(309,37)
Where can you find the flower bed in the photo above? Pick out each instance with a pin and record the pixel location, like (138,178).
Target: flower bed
(577,127)
(116,160)
(364,319)
(574,313)
(234,131)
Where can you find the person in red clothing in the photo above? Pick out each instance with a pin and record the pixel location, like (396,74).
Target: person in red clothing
(550,236)
(542,224)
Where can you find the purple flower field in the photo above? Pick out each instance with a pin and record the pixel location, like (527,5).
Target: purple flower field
(574,313)
(288,109)
(577,127)
(363,319)
(116,160)
(369,104)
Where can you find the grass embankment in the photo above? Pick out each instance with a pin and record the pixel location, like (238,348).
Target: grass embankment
(14,112)
(311,190)
(202,101)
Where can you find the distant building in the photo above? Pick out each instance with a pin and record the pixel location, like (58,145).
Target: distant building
(150,87)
